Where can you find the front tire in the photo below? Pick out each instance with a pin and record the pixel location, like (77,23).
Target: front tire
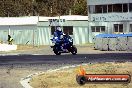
(56,51)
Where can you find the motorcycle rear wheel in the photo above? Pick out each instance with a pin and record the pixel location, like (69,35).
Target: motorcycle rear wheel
(73,50)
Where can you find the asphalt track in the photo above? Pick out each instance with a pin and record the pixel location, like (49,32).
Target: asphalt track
(64,59)
(12,66)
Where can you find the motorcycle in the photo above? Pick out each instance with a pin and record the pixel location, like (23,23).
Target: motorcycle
(64,45)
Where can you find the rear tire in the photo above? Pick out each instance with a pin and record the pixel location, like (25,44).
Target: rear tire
(74,50)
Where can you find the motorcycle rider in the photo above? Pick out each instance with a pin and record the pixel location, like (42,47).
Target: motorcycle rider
(58,35)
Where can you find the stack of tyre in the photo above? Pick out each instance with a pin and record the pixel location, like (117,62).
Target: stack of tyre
(108,42)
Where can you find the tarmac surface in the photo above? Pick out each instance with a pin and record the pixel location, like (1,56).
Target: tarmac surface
(18,64)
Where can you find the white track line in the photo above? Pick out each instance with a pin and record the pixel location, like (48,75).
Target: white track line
(25,81)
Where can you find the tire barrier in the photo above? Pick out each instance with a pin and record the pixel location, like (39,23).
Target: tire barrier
(113,42)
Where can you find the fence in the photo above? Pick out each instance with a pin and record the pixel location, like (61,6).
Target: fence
(108,42)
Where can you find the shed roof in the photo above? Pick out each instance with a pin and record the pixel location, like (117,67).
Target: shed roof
(32,20)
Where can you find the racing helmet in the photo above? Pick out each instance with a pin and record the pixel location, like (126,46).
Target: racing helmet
(59,28)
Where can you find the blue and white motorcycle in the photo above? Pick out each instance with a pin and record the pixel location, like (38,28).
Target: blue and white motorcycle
(64,45)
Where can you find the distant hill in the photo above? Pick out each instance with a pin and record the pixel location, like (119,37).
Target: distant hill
(16,8)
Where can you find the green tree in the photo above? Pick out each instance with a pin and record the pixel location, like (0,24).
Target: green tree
(15,8)
(79,7)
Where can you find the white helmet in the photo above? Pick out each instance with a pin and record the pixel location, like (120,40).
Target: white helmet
(59,29)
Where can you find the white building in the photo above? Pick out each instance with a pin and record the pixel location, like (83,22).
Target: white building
(36,31)
(109,16)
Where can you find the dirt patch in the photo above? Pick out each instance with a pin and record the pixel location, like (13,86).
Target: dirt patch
(67,78)
(10,77)
(29,47)
(24,47)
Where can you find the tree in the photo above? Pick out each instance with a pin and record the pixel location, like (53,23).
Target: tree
(15,8)
(80,7)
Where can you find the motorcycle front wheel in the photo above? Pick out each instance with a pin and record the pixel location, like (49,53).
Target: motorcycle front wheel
(56,51)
